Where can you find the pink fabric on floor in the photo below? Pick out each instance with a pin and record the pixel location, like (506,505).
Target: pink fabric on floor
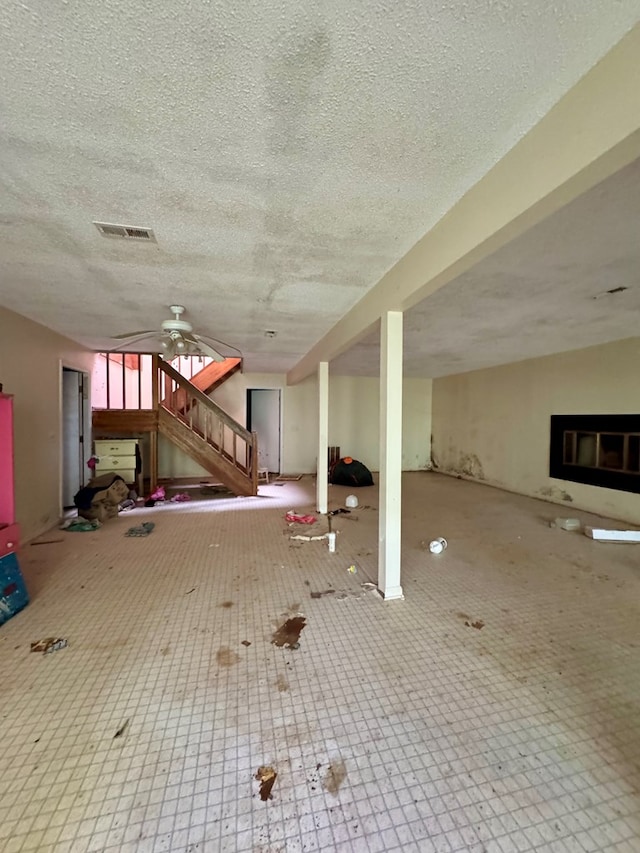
(301,519)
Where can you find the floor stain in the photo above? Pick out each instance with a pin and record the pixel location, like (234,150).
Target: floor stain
(282,684)
(267,777)
(165,650)
(288,634)
(463,615)
(324,592)
(226,604)
(226,657)
(335,776)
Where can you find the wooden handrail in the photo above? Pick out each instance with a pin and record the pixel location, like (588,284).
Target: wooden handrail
(196,394)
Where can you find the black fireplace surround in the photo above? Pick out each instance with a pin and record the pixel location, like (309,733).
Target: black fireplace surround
(599,450)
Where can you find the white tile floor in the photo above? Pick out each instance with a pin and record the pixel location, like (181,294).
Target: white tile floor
(522,735)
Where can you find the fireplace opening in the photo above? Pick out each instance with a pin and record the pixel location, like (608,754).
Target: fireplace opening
(599,450)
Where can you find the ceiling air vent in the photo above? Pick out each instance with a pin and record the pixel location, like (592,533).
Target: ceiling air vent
(125,232)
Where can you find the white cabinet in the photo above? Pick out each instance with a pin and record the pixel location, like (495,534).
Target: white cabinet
(118,455)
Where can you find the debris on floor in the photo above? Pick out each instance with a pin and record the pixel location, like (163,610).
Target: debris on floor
(340,511)
(143,529)
(566,523)
(602,535)
(80,525)
(47,542)
(157,496)
(302,538)
(350,472)
(293,517)
(193,589)
(246,643)
(49,645)
(288,634)
(437,546)
(102,497)
(331,537)
(122,728)
(353,569)
(479,624)
(339,594)
(266,776)
(181,497)
(324,592)
(127,505)
(214,489)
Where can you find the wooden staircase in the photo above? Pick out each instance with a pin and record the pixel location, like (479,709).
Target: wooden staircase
(182,412)
(209,378)
(205,432)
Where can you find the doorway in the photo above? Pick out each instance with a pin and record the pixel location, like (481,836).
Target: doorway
(76,432)
(263,417)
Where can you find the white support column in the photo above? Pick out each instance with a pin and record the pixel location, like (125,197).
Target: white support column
(390,484)
(322,478)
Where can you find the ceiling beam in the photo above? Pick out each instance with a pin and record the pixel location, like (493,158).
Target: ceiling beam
(591,133)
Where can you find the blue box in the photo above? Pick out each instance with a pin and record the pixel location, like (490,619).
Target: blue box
(13,592)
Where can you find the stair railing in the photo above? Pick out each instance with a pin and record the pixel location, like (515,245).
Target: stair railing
(224,434)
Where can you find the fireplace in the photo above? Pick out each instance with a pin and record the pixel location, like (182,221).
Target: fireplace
(600,450)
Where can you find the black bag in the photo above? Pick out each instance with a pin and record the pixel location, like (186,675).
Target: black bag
(350,472)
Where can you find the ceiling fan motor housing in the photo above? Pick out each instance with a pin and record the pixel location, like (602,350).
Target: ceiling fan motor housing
(178,326)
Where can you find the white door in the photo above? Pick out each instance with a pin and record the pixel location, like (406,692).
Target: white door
(73,429)
(263,409)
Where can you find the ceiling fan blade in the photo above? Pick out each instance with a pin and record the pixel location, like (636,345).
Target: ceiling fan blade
(137,334)
(225,345)
(131,342)
(207,350)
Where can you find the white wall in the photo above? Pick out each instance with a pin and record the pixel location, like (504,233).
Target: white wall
(354,422)
(34,378)
(494,424)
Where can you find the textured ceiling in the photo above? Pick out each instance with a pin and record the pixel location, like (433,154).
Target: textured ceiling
(285,154)
(543,293)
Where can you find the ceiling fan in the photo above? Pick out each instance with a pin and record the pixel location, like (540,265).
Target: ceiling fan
(177,337)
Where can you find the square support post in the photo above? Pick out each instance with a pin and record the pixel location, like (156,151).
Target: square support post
(390,480)
(322,479)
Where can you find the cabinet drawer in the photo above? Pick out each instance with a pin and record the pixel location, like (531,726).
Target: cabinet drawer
(118,447)
(9,539)
(115,463)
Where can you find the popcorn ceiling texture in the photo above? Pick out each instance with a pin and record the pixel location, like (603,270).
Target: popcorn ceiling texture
(286,157)
(543,293)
